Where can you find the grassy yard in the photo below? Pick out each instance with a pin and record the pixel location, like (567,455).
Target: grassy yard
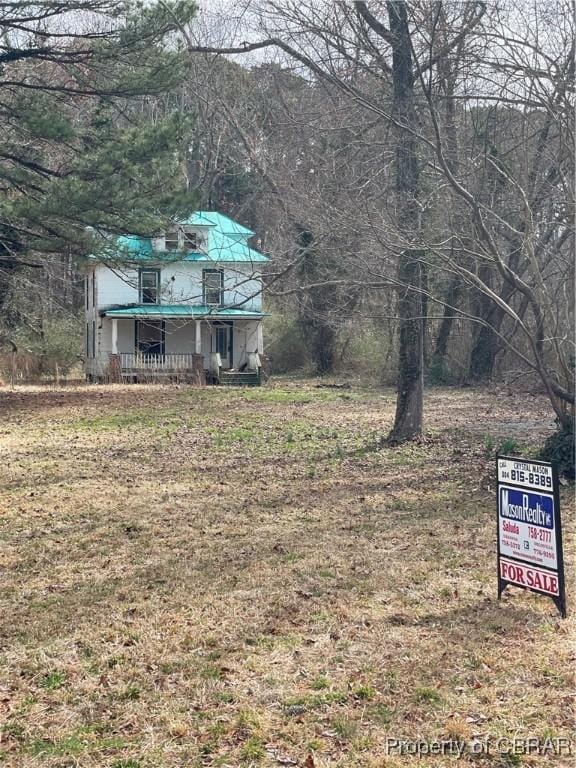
(244,577)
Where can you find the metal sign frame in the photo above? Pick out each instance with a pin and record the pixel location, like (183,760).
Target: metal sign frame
(558,572)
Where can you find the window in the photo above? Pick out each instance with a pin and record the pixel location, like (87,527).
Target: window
(213,281)
(191,240)
(171,240)
(93,338)
(94,289)
(150,337)
(87,336)
(86,294)
(149,286)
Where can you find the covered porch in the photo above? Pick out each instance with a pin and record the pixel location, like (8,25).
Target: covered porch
(175,341)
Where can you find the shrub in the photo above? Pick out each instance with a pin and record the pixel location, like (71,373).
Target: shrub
(58,348)
(439,373)
(559,448)
(509,447)
(367,354)
(285,344)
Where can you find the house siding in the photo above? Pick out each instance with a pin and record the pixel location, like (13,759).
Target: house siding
(180,283)
(245,341)
(242,288)
(126,336)
(116,287)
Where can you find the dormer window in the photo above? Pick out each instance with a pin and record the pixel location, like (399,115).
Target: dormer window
(171,240)
(178,239)
(190,240)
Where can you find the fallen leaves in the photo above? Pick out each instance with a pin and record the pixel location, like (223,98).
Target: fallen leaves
(228,577)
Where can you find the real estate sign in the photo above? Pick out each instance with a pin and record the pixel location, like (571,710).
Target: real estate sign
(529,528)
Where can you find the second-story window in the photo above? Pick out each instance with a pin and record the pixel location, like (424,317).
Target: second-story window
(213,282)
(149,286)
(171,240)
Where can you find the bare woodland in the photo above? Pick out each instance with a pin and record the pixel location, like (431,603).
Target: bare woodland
(409,168)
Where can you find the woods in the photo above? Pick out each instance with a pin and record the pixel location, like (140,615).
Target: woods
(407,166)
(479,136)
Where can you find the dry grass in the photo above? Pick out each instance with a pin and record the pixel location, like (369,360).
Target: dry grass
(227,577)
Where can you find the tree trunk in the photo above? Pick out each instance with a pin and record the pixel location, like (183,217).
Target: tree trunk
(483,355)
(486,343)
(323,345)
(315,303)
(448,73)
(411,268)
(437,370)
(409,405)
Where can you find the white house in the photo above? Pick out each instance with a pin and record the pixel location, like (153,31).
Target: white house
(187,302)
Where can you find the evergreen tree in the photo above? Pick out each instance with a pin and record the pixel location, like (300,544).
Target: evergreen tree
(77,156)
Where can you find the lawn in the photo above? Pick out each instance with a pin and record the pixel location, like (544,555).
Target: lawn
(228,577)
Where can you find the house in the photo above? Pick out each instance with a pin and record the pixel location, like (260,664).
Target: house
(185,303)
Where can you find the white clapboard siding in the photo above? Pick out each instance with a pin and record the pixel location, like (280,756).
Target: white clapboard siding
(180,283)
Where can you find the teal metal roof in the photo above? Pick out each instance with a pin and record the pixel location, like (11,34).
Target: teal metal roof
(227,242)
(225,248)
(181,310)
(214,219)
(131,244)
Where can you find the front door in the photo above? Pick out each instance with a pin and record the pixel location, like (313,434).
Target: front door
(150,337)
(222,343)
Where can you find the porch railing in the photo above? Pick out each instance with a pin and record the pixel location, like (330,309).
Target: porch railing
(140,361)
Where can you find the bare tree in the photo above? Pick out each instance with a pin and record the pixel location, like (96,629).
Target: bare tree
(505,241)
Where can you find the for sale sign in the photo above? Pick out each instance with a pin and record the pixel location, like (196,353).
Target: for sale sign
(527,526)
(529,530)
(526,576)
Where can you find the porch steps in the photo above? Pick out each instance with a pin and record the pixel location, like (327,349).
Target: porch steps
(240,379)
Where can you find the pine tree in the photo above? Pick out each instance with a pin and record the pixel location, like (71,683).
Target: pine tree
(77,155)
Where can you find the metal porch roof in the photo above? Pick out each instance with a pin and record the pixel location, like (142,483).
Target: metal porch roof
(167,311)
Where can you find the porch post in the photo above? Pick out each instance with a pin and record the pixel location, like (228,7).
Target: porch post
(260,339)
(114,336)
(198,376)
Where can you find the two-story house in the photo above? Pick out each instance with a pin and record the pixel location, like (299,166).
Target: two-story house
(188,300)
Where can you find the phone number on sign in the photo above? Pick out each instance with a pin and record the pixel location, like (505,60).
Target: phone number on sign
(520,476)
(540,534)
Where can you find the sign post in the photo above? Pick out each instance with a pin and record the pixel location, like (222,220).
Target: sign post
(529,528)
